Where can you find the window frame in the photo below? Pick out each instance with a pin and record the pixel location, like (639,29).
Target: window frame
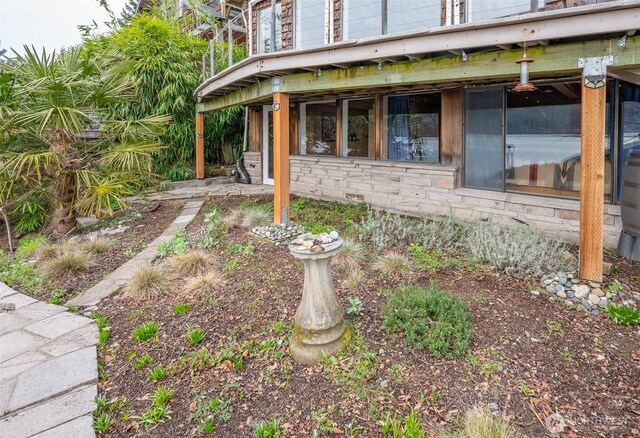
(272,37)
(302,150)
(328,24)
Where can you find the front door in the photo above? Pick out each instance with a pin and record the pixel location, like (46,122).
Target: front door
(267,146)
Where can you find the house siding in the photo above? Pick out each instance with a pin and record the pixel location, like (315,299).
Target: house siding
(422,190)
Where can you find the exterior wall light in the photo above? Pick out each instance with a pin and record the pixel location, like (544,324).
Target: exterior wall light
(524,84)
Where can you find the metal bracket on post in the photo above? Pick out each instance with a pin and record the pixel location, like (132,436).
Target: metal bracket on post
(285,215)
(275,84)
(594,70)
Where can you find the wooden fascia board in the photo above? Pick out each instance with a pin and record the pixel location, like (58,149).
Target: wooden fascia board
(549,60)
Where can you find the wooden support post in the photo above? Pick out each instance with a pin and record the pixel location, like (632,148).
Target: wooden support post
(594,102)
(378,121)
(339,128)
(200,145)
(281,158)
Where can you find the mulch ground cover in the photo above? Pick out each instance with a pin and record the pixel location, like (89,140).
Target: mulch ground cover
(141,224)
(529,358)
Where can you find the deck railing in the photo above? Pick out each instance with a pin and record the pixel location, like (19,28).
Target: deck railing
(224,48)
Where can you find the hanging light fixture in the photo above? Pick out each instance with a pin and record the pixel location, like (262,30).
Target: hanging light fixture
(524,84)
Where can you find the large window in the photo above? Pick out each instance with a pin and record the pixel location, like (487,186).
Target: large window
(629,134)
(269,29)
(484,144)
(318,128)
(311,23)
(362,18)
(359,137)
(413,127)
(539,149)
(407,15)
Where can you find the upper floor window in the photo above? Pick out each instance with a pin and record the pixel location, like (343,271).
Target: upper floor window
(269,28)
(490,9)
(362,18)
(407,15)
(312,23)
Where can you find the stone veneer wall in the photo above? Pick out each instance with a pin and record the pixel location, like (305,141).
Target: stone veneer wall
(253,164)
(423,189)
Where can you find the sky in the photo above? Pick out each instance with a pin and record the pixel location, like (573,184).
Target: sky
(52,24)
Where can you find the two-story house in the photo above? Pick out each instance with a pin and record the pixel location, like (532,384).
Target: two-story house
(517,111)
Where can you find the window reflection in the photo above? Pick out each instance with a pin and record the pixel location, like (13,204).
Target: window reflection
(311,23)
(413,128)
(359,138)
(362,18)
(266,30)
(318,133)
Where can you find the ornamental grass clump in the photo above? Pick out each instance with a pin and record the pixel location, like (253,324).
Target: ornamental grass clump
(203,284)
(518,251)
(255,217)
(190,263)
(393,264)
(146,283)
(68,262)
(429,319)
(351,255)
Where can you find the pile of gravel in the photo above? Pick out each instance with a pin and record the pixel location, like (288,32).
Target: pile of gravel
(279,232)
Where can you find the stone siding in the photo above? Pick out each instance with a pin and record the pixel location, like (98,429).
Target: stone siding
(423,189)
(253,164)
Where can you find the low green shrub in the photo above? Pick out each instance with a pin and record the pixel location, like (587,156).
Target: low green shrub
(519,251)
(430,319)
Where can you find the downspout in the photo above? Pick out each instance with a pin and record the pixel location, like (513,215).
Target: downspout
(245,178)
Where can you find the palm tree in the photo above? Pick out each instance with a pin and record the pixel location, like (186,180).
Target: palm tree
(57,127)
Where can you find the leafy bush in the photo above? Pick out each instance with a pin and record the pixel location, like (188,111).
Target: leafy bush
(623,314)
(518,251)
(441,233)
(146,283)
(216,227)
(29,215)
(386,229)
(430,319)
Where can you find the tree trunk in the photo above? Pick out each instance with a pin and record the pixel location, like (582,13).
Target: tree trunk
(64,215)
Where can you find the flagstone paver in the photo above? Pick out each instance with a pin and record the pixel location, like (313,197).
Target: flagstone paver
(120,276)
(48,369)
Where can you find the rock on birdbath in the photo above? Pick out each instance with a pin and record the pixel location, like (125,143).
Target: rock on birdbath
(319,328)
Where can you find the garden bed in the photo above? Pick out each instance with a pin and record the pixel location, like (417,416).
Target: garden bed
(529,357)
(126,233)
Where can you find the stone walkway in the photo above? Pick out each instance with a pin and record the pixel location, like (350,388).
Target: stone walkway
(211,191)
(120,276)
(48,369)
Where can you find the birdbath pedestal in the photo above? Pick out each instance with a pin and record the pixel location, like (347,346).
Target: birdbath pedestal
(319,328)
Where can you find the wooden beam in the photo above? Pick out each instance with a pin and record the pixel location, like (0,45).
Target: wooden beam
(281,158)
(451,126)
(200,145)
(594,104)
(255,129)
(550,61)
(294,138)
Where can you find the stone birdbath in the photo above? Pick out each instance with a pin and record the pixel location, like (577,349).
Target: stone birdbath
(319,328)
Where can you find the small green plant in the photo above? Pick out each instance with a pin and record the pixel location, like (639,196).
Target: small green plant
(430,319)
(178,245)
(239,248)
(157,374)
(208,426)
(268,429)
(158,412)
(409,427)
(30,216)
(181,309)
(616,286)
(623,314)
(103,328)
(28,245)
(214,229)
(142,361)
(145,331)
(355,307)
(279,326)
(195,335)
(102,422)
(428,261)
